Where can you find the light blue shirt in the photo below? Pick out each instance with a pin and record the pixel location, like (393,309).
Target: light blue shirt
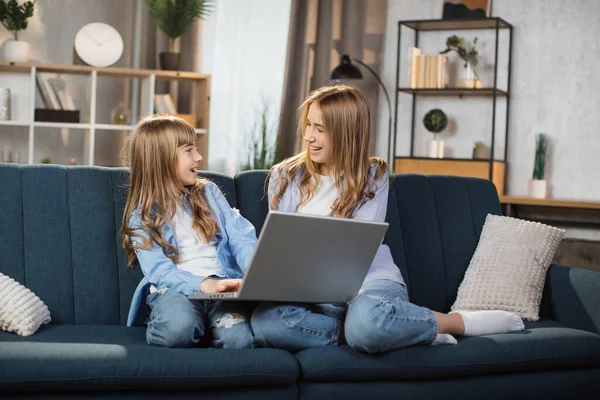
(374,209)
(236,242)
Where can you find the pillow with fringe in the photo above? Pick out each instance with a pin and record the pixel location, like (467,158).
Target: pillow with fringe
(21,311)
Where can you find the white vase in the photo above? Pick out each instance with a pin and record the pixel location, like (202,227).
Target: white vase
(469,80)
(16,51)
(435,148)
(538,188)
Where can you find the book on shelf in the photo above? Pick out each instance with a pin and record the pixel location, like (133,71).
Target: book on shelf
(49,97)
(164,104)
(427,71)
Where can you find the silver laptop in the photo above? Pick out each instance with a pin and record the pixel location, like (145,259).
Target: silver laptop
(308,259)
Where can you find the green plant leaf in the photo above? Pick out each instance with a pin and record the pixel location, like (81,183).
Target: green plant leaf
(174,17)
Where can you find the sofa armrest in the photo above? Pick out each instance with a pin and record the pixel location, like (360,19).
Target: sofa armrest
(572,297)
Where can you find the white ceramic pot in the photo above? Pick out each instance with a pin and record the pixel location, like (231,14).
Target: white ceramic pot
(538,188)
(16,51)
(435,149)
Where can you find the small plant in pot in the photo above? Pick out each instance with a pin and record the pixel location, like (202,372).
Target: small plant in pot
(479,151)
(14,18)
(174,17)
(435,121)
(538,186)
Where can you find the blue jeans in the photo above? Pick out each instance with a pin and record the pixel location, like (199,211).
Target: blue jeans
(176,321)
(381,318)
(294,327)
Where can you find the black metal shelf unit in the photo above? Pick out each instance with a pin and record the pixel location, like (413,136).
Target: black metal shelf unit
(494,23)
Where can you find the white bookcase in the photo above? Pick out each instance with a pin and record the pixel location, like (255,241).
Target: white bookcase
(20,78)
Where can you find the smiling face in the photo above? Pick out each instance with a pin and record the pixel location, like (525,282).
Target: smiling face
(187,163)
(317,138)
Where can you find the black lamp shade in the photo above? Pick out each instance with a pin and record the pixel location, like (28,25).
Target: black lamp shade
(346,70)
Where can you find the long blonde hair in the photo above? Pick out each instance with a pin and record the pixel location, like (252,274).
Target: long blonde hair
(347,121)
(155,191)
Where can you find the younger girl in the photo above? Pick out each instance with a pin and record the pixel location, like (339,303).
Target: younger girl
(334,176)
(186,238)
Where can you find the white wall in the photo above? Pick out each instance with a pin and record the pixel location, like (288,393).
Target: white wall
(555,89)
(243,46)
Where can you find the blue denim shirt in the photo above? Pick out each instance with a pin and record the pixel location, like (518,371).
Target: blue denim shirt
(374,209)
(236,242)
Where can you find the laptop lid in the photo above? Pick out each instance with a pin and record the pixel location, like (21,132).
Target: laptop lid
(313,259)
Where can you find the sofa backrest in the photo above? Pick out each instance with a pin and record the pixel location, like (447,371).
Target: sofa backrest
(60,237)
(60,234)
(435,224)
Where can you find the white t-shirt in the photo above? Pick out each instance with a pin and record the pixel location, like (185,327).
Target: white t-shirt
(323,198)
(196,256)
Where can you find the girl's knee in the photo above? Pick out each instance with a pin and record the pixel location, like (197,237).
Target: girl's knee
(172,333)
(267,324)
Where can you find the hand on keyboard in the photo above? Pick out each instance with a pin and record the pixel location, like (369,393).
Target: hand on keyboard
(220,285)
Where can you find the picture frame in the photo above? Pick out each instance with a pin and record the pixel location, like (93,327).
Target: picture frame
(466,9)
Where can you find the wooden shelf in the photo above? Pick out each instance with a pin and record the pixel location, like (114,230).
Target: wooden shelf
(460,24)
(453,166)
(549,202)
(454,92)
(111,72)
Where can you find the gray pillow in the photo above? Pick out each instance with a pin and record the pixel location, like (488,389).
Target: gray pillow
(508,270)
(21,311)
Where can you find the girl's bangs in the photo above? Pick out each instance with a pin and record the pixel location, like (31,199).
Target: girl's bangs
(185,135)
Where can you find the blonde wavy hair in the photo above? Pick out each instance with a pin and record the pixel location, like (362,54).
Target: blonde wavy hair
(347,121)
(155,191)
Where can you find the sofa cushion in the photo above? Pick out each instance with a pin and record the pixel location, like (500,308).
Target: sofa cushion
(21,311)
(89,357)
(508,270)
(543,345)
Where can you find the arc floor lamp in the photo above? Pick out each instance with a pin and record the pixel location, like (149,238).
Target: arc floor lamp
(346,70)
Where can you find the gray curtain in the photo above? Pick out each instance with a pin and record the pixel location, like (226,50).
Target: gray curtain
(321,31)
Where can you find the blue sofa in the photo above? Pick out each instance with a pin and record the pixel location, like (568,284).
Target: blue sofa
(60,237)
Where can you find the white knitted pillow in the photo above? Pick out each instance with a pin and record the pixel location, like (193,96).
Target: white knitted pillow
(21,311)
(508,270)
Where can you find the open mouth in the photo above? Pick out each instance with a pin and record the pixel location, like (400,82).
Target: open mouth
(314,148)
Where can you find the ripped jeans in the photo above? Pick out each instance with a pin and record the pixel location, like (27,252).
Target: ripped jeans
(176,321)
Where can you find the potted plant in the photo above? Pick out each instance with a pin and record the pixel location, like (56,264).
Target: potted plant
(479,151)
(538,186)
(261,153)
(470,56)
(174,17)
(14,18)
(435,121)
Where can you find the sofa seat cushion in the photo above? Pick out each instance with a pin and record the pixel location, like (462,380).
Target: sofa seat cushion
(92,357)
(543,345)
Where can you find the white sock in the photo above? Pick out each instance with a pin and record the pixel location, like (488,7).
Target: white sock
(489,322)
(444,338)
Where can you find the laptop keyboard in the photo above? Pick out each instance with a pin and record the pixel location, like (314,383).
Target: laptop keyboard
(224,295)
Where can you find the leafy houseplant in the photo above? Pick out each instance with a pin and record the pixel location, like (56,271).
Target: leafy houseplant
(14,18)
(261,154)
(174,17)
(435,121)
(468,53)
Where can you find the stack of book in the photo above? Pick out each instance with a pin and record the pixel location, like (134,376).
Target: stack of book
(427,71)
(163,104)
(53,96)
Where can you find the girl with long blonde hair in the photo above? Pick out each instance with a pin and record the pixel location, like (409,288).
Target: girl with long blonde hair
(334,176)
(186,239)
